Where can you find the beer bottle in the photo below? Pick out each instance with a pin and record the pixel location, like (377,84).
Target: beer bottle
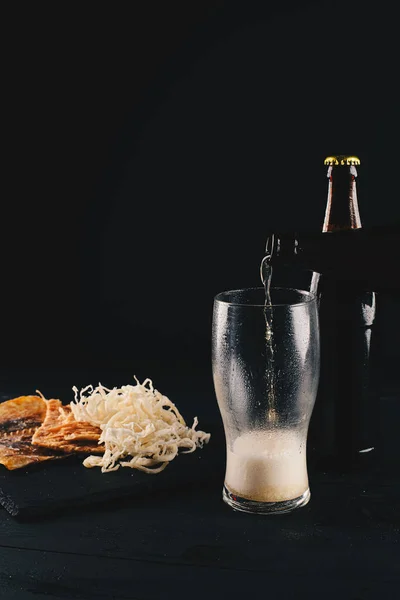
(341,213)
(344,429)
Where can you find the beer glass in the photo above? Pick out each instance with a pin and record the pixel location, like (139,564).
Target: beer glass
(265,362)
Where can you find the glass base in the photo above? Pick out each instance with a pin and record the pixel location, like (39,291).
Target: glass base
(264,508)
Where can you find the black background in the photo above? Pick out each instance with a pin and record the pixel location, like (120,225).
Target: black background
(153,144)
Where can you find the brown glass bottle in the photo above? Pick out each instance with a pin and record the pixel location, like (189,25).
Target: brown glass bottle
(342,213)
(344,431)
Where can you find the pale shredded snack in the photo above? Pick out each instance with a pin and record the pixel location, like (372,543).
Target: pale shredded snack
(136,422)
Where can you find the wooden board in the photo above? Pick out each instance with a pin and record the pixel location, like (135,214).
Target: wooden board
(67,484)
(183,540)
(337,546)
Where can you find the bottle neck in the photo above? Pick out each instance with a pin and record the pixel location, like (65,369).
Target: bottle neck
(342,213)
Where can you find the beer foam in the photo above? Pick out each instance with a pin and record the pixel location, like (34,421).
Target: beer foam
(267,466)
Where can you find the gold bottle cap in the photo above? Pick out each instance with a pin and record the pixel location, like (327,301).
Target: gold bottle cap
(341,160)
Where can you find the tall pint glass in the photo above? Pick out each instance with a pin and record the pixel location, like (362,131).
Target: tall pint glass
(265,361)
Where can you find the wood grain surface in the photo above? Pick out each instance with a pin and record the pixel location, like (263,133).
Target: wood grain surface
(180,543)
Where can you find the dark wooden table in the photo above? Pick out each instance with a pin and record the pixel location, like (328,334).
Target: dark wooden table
(187,543)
